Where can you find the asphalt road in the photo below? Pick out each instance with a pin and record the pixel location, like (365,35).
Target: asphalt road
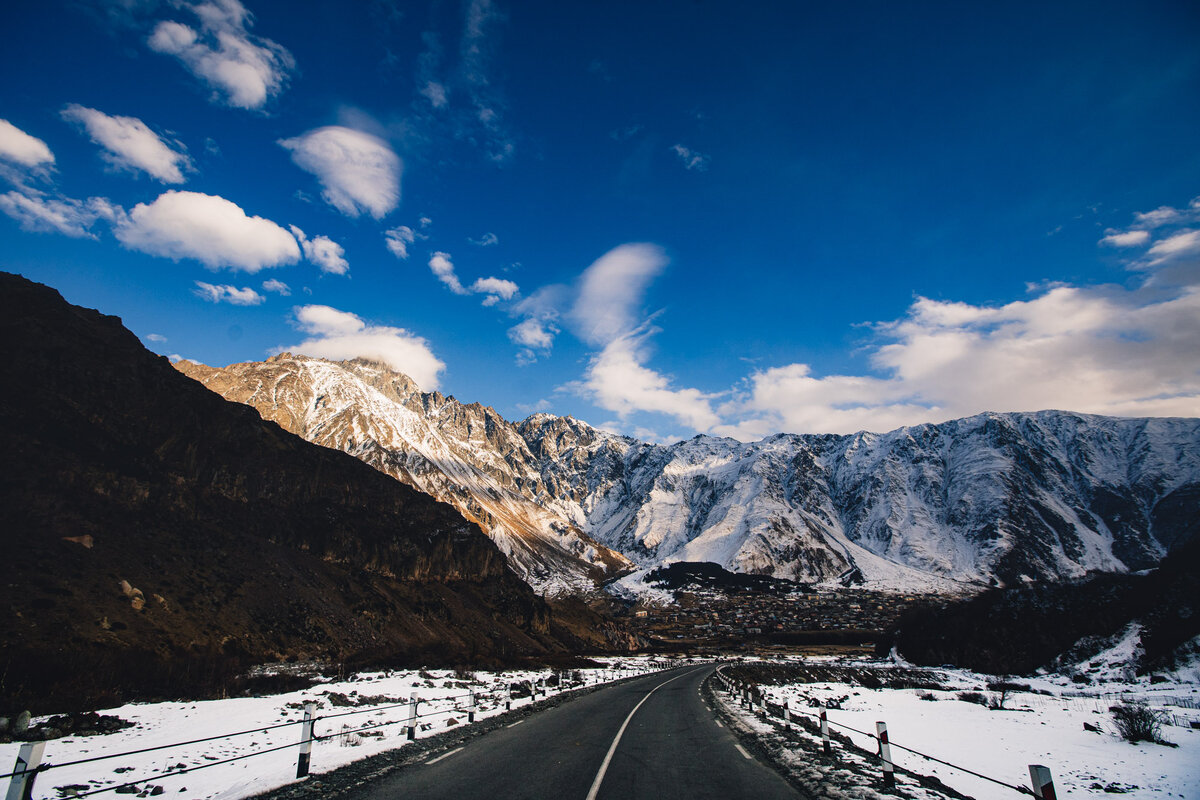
(671,747)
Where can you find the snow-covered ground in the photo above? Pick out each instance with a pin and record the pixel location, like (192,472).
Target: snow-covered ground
(441,705)
(1033,728)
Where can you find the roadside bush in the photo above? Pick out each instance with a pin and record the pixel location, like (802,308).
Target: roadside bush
(927,696)
(973,697)
(1137,722)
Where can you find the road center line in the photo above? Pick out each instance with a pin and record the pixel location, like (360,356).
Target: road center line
(515,724)
(445,755)
(742,750)
(591,795)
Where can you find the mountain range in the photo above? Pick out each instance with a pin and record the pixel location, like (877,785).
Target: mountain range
(994,499)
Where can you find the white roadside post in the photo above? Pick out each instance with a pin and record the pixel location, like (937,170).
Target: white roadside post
(508,697)
(885,754)
(1043,785)
(306,740)
(20,787)
(412,718)
(471,707)
(825,730)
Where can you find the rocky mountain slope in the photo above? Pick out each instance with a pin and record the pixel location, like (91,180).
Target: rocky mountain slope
(465,455)
(995,498)
(159,538)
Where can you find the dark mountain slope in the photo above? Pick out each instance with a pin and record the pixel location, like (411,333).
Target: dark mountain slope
(158,537)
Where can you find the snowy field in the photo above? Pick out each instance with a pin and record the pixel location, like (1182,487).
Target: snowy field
(442,704)
(1033,728)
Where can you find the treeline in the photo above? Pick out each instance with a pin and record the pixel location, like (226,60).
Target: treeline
(1018,630)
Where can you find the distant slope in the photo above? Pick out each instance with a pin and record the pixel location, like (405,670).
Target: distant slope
(158,537)
(460,454)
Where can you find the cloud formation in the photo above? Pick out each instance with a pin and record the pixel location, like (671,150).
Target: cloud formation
(610,292)
(322,251)
(358,172)
(228,294)
(398,240)
(278,287)
(495,289)
(207,228)
(18,147)
(244,71)
(691,159)
(130,145)
(39,212)
(341,335)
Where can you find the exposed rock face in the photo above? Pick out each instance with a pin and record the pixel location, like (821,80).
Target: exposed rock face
(465,455)
(158,536)
(1000,498)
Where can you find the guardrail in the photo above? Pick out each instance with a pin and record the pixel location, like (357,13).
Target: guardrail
(751,697)
(29,764)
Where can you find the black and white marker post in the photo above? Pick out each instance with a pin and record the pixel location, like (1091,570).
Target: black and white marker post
(412,718)
(1043,785)
(25,770)
(825,730)
(885,755)
(306,740)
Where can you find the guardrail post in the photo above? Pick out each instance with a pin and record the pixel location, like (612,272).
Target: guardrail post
(20,787)
(825,730)
(1043,785)
(471,708)
(412,719)
(885,754)
(306,740)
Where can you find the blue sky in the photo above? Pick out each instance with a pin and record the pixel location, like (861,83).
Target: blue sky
(662,218)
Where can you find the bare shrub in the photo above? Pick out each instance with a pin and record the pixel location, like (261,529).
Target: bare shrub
(973,697)
(1137,722)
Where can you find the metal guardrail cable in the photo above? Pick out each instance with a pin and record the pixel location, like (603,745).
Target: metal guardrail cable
(185,770)
(1021,789)
(49,766)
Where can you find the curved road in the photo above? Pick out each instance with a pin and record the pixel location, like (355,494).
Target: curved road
(594,748)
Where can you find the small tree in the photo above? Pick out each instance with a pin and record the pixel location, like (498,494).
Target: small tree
(1136,722)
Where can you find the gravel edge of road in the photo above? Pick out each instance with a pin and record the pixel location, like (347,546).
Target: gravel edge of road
(777,750)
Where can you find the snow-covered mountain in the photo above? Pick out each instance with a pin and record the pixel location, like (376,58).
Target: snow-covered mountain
(991,498)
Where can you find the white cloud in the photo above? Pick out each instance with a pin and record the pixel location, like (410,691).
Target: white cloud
(358,172)
(278,287)
(228,294)
(611,289)
(691,159)
(244,70)
(322,251)
(1126,239)
(535,334)
(209,229)
(442,267)
(158,338)
(130,144)
(617,380)
(39,212)
(340,335)
(495,287)
(398,240)
(487,240)
(1103,350)
(18,147)
(1184,243)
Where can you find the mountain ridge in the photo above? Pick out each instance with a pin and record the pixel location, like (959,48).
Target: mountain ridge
(996,498)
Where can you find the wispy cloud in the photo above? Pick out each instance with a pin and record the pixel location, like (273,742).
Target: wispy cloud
(359,173)
(129,144)
(495,289)
(19,149)
(278,287)
(398,240)
(690,158)
(339,335)
(225,293)
(244,71)
(41,212)
(487,240)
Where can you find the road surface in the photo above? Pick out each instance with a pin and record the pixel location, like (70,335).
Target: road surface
(651,738)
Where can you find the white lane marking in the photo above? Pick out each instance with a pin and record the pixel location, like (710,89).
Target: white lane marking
(515,724)
(452,752)
(719,725)
(591,795)
(742,751)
